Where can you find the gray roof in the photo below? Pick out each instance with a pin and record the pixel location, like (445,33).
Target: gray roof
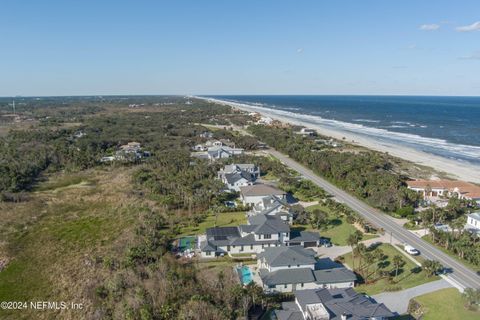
(250,240)
(289,315)
(287,276)
(284,256)
(343,301)
(260,190)
(336,275)
(234,177)
(222,236)
(308,236)
(239,167)
(267,224)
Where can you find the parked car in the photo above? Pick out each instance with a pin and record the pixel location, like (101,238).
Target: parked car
(411,250)
(325,243)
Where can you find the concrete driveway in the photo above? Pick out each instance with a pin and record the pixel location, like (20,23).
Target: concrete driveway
(398,301)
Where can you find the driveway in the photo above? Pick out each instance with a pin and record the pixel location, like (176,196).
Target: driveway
(398,301)
(336,251)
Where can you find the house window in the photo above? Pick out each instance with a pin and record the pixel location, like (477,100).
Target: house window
(233,247)
(272,286)
(263,245)
(208,253)
(285,286)
(251,247)
(228,248)
(241,248)
(289,266)
(267,236)
(302,284)
(259,236)
(298,266)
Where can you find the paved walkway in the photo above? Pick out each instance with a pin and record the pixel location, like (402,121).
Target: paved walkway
(398,301)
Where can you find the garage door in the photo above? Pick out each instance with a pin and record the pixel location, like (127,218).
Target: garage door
(310,244)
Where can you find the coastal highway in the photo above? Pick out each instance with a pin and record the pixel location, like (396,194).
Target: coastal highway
(461,275)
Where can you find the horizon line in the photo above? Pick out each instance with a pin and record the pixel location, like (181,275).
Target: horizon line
(233,94)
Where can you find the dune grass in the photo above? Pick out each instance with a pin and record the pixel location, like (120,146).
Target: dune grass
(54,239)
(224,219)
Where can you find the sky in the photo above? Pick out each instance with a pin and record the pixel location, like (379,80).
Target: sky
(102,47)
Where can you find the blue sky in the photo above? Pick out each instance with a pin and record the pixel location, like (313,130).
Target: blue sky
(239,47)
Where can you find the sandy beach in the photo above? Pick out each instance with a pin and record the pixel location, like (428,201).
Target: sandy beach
(455,169)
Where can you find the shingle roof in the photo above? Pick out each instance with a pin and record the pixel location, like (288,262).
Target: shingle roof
(234,177)
(336,275)
(260,190)
(267,224)
(287,276)
(343,301)
(308,236)
(284,256)
(222,236)
(250,240)
(288,315)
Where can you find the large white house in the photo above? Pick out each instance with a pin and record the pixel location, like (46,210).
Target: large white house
(239,175)
(288,269)
(473,222)
(261,232)
(254,194)
(431,189)
(272,205)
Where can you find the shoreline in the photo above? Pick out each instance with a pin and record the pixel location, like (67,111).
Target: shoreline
(455,169)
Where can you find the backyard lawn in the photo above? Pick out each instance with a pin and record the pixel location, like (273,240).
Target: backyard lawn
(445,304)
(225,219)
(406,278)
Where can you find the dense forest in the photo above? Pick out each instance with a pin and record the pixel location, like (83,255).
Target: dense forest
(366,174)
(131,272)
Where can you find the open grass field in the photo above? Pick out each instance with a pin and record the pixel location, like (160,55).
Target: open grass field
(445,304)
(224,219)
(55,242)
(407,278)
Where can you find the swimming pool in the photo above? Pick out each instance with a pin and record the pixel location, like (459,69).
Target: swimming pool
(245,274)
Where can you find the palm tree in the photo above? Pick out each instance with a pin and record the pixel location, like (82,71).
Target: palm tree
(397,263)
(471,296)
(353,240)
(431,267)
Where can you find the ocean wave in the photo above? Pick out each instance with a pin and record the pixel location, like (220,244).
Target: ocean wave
(366,120)
(432,145)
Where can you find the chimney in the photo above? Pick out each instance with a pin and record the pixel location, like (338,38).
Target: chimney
(343,316)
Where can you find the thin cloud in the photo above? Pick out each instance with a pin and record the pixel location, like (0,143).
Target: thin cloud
(429,27)
(473,56)
(300,50)
(472,27)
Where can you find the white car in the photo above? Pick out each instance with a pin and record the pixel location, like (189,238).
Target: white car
(411,250)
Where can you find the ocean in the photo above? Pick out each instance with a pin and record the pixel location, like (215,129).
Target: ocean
(444,126)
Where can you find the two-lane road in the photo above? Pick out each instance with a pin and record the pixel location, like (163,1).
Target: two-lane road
(461,274)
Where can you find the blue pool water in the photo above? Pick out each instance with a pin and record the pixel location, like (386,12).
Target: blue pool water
(245,275)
